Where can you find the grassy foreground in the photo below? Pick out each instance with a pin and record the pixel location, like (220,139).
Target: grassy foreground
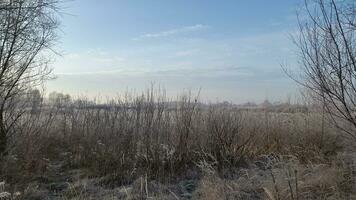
(149,147)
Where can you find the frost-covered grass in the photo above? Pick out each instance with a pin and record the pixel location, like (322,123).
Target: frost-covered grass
(147,147)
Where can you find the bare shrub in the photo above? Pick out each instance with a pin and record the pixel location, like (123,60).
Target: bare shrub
(124,140)
(27,32)
(326,43)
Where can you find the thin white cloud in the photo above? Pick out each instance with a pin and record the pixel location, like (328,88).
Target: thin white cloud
(89,72)
(88,62)
(186,29)
(178,72)
(189,52)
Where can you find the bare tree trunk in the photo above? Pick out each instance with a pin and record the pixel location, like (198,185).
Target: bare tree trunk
(3,136)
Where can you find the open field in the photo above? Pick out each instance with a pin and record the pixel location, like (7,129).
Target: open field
(153,145)
(146,147)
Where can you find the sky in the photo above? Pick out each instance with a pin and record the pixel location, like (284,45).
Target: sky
(231,50)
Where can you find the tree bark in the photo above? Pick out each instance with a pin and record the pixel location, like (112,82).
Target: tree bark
(3,137)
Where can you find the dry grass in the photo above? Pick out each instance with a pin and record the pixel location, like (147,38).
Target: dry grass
(148,147)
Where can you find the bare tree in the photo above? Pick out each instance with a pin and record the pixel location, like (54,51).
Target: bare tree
(27,34)
(327,46)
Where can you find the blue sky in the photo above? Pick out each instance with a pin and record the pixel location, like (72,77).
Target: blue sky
(231,49)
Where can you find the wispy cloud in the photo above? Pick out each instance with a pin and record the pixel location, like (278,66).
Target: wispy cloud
(178,72)
(222,71)
(89,72)
(186,29)
(189,52)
